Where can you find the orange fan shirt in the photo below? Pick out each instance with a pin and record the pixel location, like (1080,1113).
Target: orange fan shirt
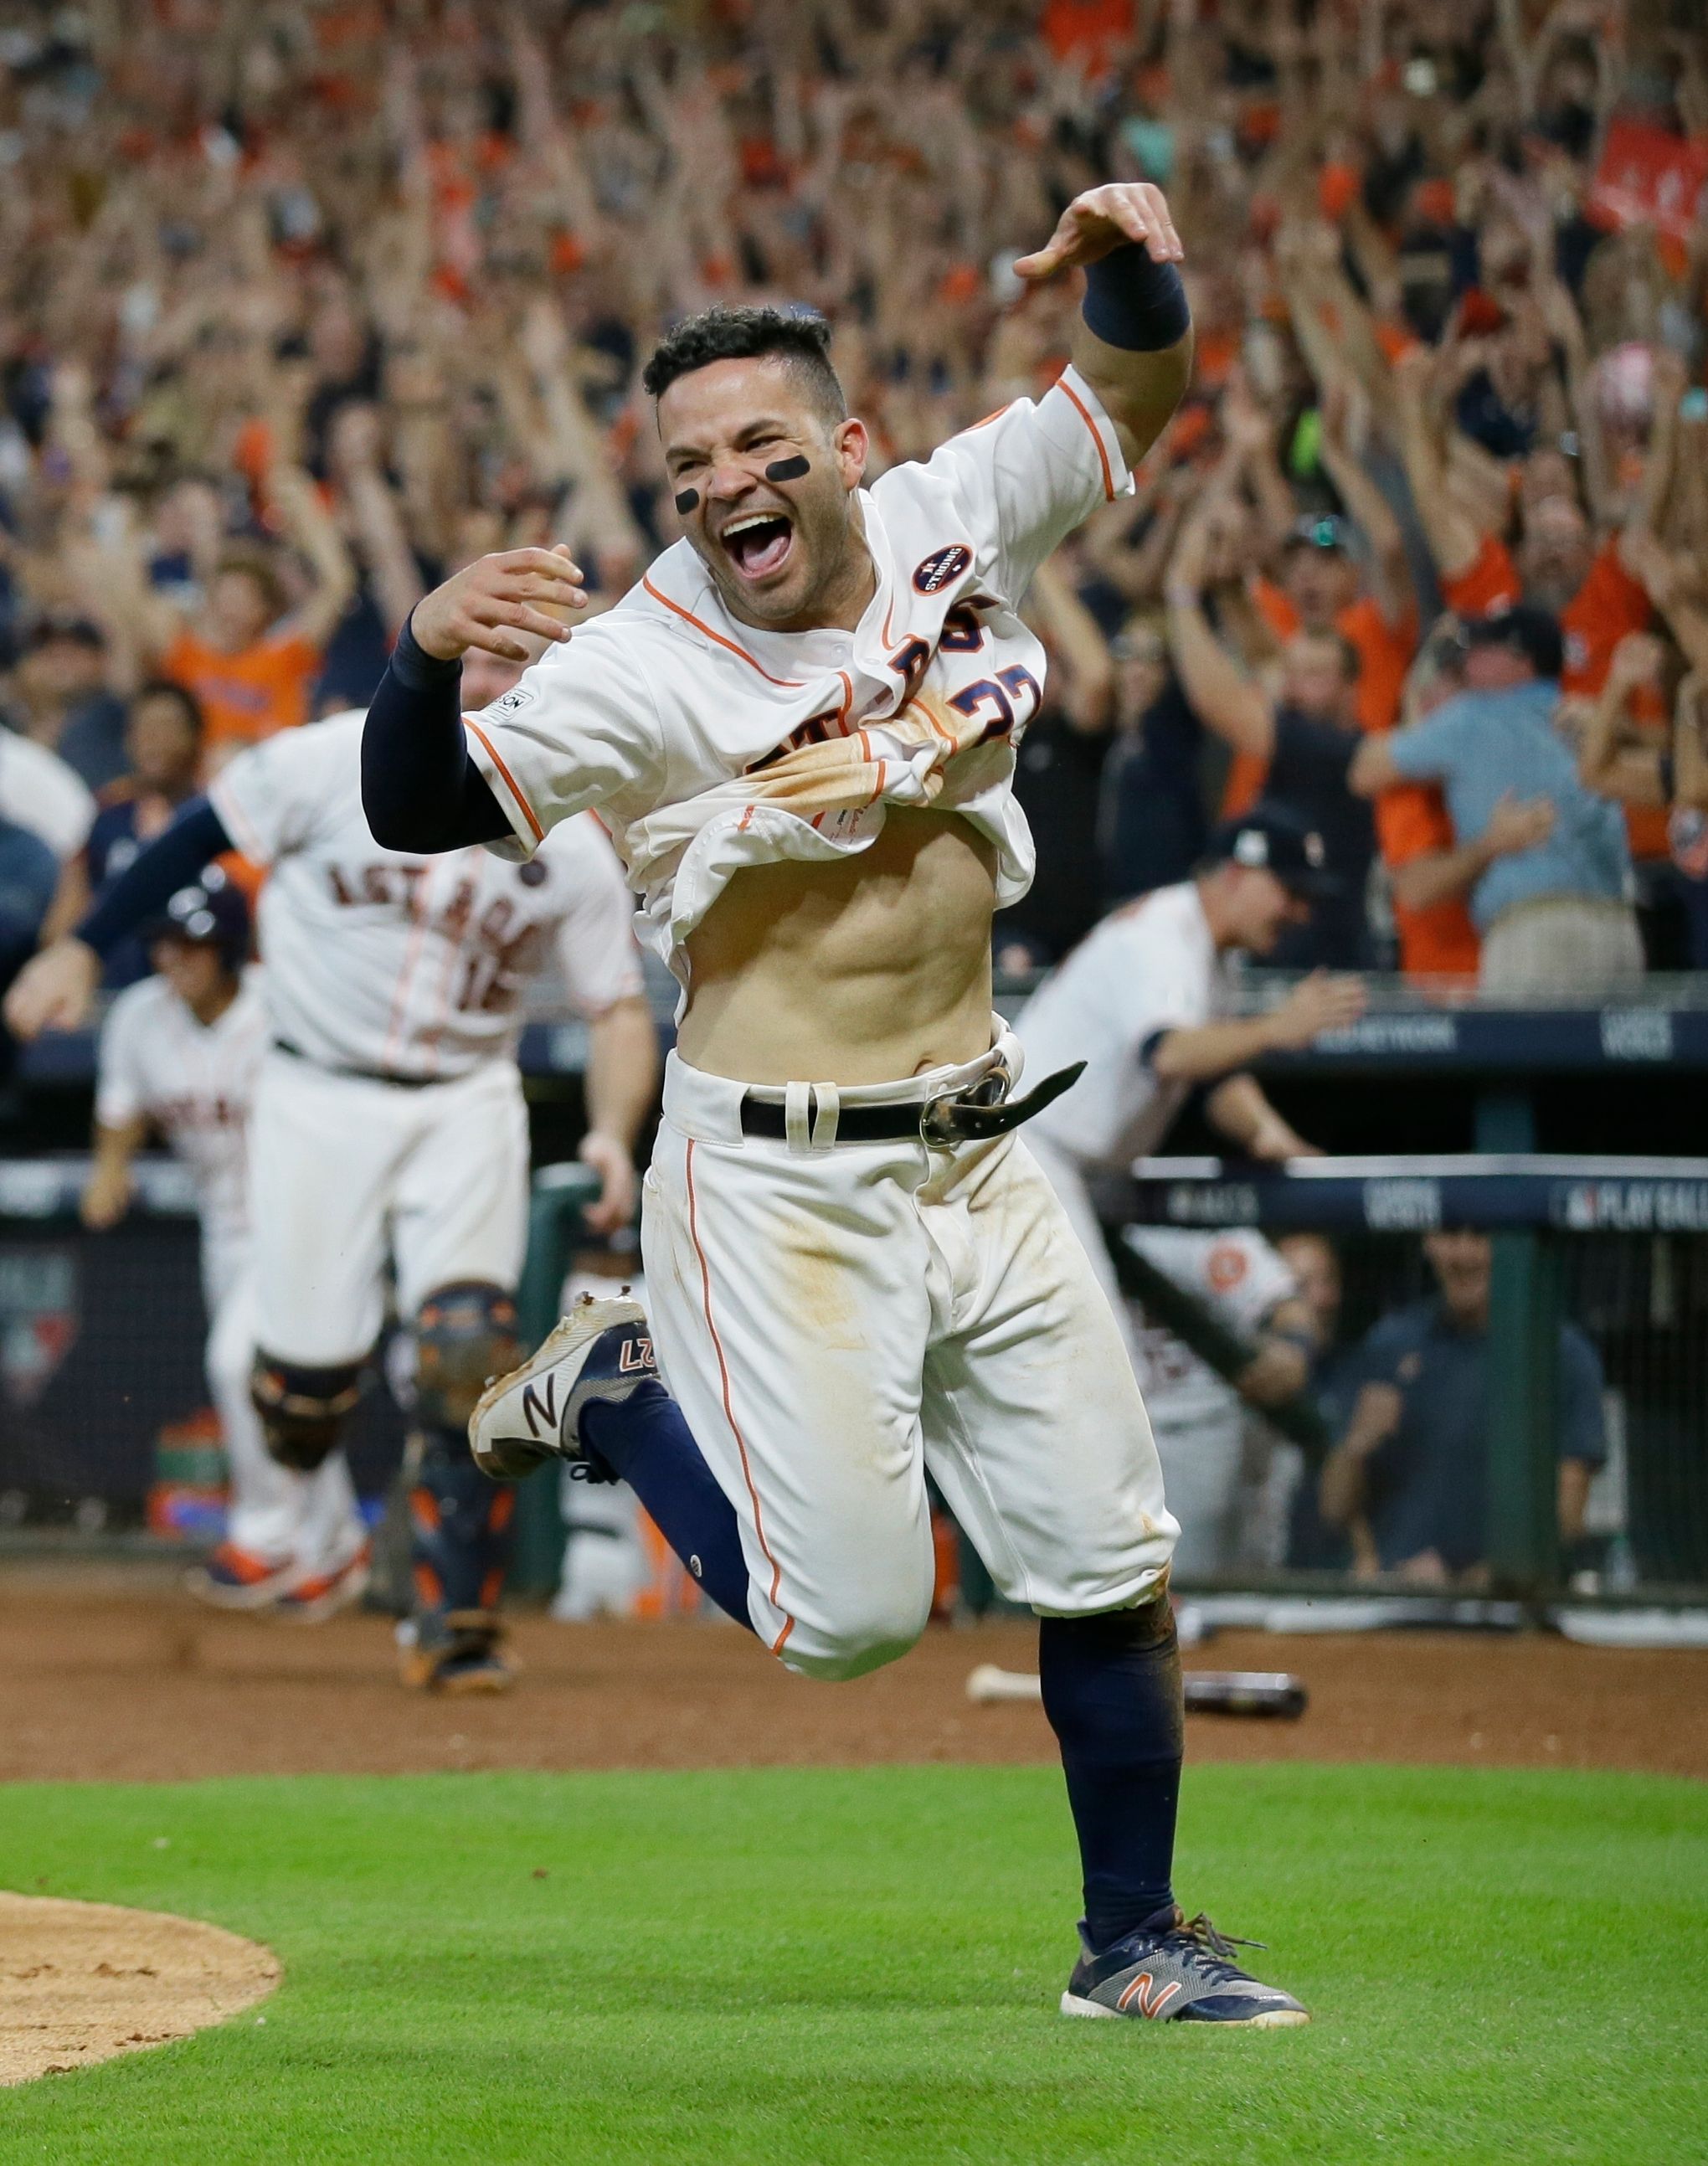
(251,694)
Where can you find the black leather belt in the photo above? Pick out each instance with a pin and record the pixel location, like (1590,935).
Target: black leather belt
(361,1074)
(969,1116)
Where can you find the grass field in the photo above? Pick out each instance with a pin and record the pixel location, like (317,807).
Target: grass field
(808,1967)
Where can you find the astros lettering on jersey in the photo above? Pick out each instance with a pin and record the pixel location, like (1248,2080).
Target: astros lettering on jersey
(410,966)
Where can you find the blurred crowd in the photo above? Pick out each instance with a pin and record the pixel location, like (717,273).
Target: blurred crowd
(305,303)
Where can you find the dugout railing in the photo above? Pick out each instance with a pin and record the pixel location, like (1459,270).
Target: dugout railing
(1617,1246)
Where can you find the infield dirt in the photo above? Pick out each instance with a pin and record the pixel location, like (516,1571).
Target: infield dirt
(115,1676)
(80,1982)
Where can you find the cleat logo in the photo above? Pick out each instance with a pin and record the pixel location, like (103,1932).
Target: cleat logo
(1142,1989)
(637,1354)
(545,1404)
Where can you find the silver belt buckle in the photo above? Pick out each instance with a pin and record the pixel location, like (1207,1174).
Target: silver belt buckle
(937,1122)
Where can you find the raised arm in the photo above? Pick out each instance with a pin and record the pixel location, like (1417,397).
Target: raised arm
(1608,761)
(1366,506)
(1133,343)
(312,529)
(1217,688)
(1080,650)
(1452,536)
(1690,744)
(374,514)
(420,789)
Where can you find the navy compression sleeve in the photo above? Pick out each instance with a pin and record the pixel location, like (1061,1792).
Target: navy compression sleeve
(1135,303)
(172,860)
(420,789)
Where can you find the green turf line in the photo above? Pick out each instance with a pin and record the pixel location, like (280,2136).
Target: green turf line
(818,1967)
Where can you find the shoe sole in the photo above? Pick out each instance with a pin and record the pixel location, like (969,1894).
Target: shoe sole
(216,1595)
(576,1330)
(1273,2019)
(351,1586)
(420,1673)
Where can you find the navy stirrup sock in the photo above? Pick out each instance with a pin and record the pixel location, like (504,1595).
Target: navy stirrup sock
(645,1442)
(1111,1691)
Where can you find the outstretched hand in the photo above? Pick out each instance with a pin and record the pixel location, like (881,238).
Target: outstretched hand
(1101,220)
(488,602)
(54,989)
(1316,1004)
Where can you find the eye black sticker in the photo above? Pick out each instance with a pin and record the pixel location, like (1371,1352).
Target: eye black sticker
(790,469)
(687,501)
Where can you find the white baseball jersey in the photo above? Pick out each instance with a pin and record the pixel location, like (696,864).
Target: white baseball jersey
(1150,967)
(42,792)
(672,716)
(1237,1276)
(195,1081)
(410,966)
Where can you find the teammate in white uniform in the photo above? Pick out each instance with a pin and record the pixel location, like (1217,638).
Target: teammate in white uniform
(388,1127)
(1200,1421)
(801,728)
(180,1052)
(1144,1000)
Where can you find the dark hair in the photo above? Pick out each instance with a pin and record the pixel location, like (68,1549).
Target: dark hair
(164,688)
(722,334)
(255,564)
(1532,632)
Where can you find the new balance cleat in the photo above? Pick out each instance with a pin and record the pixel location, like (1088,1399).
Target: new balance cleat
(232,1578)
(312,1598)
(601,1350)
(1182,1973)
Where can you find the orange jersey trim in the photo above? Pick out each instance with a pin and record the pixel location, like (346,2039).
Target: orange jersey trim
(509,780)
(728,1409)
(1084,413)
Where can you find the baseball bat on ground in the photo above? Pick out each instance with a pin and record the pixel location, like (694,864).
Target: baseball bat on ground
(1269,1692)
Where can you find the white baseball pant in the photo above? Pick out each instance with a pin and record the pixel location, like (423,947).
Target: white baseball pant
(834,1318)
(346,1172)
(273,1511)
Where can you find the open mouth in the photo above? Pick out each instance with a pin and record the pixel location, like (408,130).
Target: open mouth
(757,542)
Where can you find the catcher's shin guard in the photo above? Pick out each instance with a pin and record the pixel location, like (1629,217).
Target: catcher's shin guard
(461,1534)
(303,1408)
(465,1335)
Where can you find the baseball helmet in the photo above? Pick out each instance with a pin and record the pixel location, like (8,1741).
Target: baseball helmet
(210,913)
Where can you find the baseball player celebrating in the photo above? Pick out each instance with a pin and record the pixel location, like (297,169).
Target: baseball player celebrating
(389,1125)
(802,728)
(180,1052)
(1145,1002)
